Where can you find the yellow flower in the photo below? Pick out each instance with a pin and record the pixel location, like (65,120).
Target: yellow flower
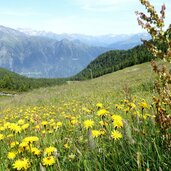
(126,109)
(1,137)
(11,155)
(48,161)
(117,121)
(66,145)
(88,124)
(71,156)
(35,151)
(143,105)
(132,105)
(125,101)
(102,112)
(102,132)
(25,126)
(15,128)
(2,128)
(96,133)
(116,134)
(50,131)
(102,123)
(44,123)
(30,139)
(145,116)
(59,124)
(137,113)
(100,105)
(21,164)
(119,106)
(49,150)
(74,121)
(10,135)
(86,110)
(14,143)
(23,146)
(21,122)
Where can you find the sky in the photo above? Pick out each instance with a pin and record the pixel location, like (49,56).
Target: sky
(90,17)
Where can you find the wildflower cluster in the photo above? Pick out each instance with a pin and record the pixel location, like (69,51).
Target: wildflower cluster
(51,137)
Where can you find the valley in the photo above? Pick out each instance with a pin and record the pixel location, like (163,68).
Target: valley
(55,56)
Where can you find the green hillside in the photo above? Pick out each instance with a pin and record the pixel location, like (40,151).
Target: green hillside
(138,79)
(101,124)
(113,61)
(10,81)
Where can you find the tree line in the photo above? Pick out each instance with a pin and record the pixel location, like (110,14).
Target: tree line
(114,60)
(15,82)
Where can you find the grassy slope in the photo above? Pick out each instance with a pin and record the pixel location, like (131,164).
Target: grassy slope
(139,149)
(106,88)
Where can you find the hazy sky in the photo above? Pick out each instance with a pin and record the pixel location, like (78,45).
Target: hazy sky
(92,17)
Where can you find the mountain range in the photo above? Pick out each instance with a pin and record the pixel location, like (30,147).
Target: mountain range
(50,55)
(111,41)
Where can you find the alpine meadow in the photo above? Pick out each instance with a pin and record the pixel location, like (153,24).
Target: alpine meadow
(114,114)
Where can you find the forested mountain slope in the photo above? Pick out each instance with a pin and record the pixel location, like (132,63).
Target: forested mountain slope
(113,61)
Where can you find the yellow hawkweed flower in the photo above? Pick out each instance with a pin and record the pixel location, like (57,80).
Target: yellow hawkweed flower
(132,105)
(21,122)
(35,151)
(71,157)
(102,112)
(21,164)
(15,128)
(96,133)
(49,150)
(143,105)
(86,110)
(102,123)
(145,116)
(23,146)
(137,113)
(48,161)
(74,121)
(59,124)
(125,101)
(1,137)
(119,106)
(37,127)
(11,155)
(88,124)
(116,135)
(25,126)
(44,123)
(10,135)
(2,128)
(102,132)
(126,109)
(14,143)
(100,105)
(31,139)
(117,121)
(50,131)
(66,145)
